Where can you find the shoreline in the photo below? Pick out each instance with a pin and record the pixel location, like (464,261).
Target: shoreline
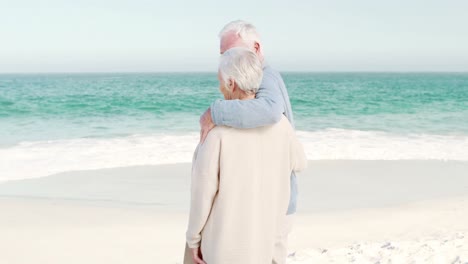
(92,153)
(326,185)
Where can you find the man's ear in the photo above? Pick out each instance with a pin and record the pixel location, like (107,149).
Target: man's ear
(257,47)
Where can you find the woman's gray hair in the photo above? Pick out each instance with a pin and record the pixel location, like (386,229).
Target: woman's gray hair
(243,29)
(243,67)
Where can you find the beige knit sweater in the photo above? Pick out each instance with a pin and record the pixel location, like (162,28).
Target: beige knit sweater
(240,191)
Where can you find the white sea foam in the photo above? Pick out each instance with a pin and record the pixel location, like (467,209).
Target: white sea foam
(42,158)
(332,144)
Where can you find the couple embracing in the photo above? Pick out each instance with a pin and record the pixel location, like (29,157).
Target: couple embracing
(243,185)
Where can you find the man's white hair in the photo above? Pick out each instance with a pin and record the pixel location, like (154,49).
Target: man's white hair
(243,67)
(243,29)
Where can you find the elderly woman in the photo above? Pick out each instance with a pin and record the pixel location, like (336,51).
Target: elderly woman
(240,178)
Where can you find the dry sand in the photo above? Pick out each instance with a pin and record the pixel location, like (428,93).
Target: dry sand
(350,211)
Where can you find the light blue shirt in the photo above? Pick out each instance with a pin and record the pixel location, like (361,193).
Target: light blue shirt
(271,101)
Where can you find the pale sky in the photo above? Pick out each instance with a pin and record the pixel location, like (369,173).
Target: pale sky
(173,35)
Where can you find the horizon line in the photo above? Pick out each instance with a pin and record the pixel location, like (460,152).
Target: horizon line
(281,71)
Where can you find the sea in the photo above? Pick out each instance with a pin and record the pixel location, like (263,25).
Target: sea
(52,123)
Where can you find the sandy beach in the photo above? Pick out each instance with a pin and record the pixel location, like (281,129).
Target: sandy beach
(349,211)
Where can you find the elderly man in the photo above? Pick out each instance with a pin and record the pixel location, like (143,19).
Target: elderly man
(270,104)
(240,178)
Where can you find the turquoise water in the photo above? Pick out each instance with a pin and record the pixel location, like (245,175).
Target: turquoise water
(52,123)
(61,106)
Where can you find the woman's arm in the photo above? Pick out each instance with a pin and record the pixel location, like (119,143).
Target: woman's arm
(205,172)
(297,155)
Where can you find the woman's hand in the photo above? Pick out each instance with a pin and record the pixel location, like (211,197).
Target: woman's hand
(197,256)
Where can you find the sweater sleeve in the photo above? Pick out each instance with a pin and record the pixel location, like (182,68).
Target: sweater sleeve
(204,187)
(297,155)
